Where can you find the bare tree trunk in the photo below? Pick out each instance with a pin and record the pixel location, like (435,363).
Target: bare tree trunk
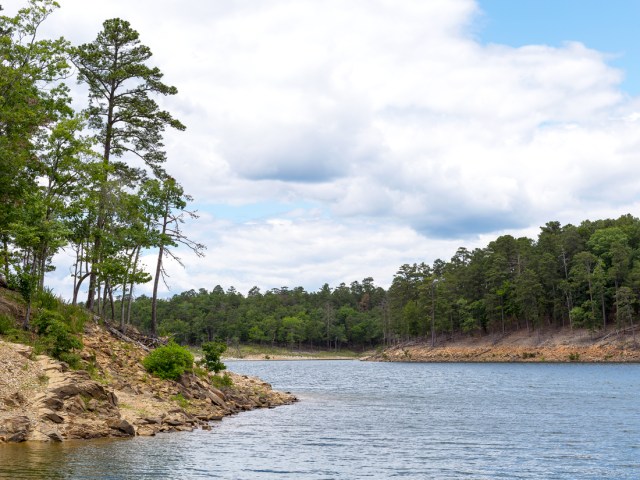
(154,298)
(113,309)
(5,252)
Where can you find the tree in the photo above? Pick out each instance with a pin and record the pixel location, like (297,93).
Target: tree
(170,202)
(122,112)
(31,98)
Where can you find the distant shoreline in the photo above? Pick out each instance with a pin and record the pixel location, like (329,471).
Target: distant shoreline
(283,358)
(554,346)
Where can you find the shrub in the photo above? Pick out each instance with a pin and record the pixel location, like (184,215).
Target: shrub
(212,352)
(75,316)
(6,323)
(44,319)
(48,300)
(180,400)
(55,336)
(222,381)
(169,362)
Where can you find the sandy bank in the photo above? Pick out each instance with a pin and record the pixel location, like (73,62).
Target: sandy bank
(550,346)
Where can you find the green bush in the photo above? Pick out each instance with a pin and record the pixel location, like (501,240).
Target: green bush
(222,381)
(44,319)
(212,352)
(18,335)
(169,362)
(48,300)
(55,335)
(6,323)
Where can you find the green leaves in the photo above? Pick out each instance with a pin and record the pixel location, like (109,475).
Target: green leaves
(121,109)
(212,351)
(169,362)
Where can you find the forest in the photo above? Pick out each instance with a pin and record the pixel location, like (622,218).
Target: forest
(585,276)
(93,182)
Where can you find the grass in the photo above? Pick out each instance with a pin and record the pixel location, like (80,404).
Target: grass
(181,401)
(221,381)
(267,352)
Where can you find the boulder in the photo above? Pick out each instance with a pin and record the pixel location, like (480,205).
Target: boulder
(123,426)
(53,403)
(51,416)
(15,429)
(55,436)
(75,405)
(14,400)
(146,431)
(65,391)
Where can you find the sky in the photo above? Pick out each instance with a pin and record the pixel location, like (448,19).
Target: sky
(330,141)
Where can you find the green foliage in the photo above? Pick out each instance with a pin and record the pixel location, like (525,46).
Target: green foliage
(212,351)
(7,323)
(180,400)
(48,300)
(56,337)
(222,381)
(169,362)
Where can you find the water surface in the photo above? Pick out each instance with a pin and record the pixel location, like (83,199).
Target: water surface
(388,420)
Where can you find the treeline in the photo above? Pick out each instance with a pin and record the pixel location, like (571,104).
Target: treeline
(90,181)
(329,318)
(585,276)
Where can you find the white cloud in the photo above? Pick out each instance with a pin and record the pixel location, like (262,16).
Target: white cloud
(389,116)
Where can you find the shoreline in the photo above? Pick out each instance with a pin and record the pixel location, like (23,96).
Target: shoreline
(42,400)
(283,358)
(558,346)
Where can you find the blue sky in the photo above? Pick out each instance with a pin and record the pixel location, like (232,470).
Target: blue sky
(609,26)
(332,141)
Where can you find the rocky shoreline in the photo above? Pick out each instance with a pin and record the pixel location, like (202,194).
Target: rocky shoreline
(41,399)
(555,347)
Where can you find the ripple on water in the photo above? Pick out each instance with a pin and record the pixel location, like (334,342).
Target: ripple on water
(379,421)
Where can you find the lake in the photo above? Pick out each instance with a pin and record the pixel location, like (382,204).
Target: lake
(387,420)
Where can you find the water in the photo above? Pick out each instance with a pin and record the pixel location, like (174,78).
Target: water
(387,420)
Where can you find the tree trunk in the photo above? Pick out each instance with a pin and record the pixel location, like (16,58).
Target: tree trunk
(154,298)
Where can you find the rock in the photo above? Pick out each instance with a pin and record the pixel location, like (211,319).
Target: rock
(94,390)
(53,403)
(14,400)
(218,393)
(15,429)
(75,405)
(55,436)
(3,281)
(51,416)
(122,426)
(173,422)
(152,420)
(65,391)
(146,431)
(112,399)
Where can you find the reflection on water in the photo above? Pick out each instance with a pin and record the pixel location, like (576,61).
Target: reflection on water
(380,421)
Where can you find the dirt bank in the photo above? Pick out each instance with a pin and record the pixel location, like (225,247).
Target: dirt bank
(550,346)
(42,400)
